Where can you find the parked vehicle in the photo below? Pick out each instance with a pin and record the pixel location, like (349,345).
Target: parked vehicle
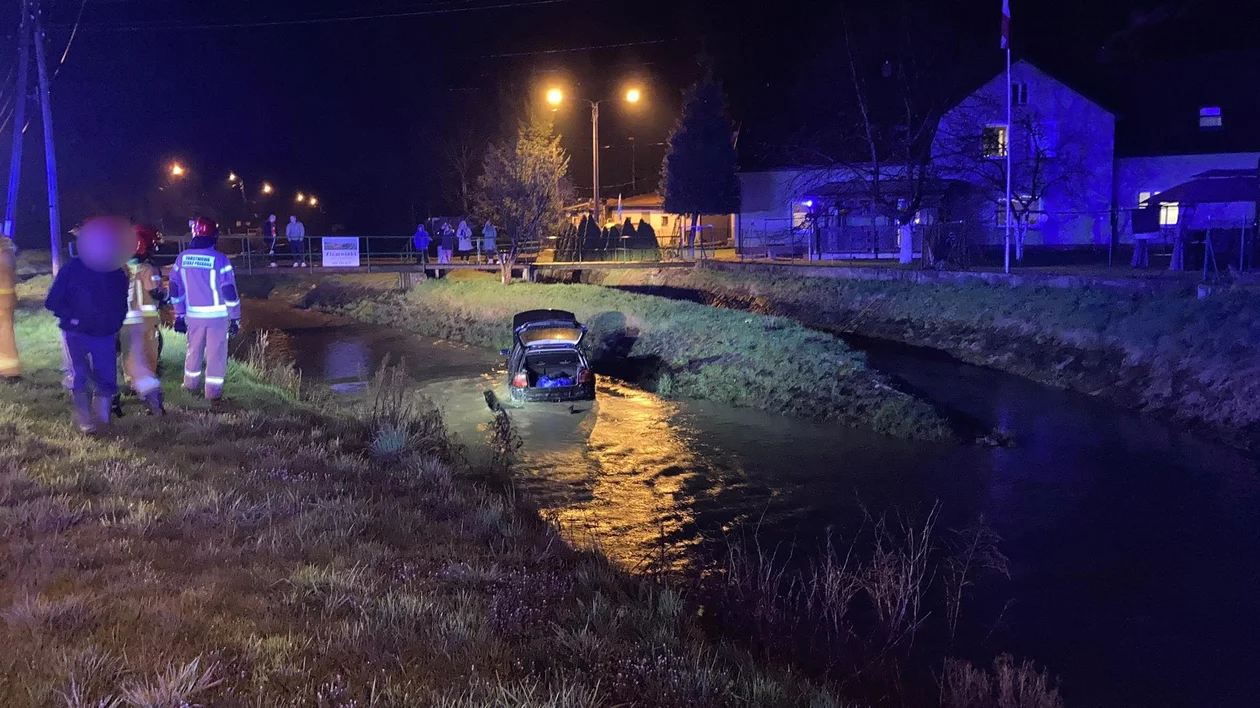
(546,362)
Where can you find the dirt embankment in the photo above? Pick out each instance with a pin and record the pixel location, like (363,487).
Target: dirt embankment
(1196,362)
(670,347)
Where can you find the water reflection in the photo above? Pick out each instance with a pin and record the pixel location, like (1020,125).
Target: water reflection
(1133,545)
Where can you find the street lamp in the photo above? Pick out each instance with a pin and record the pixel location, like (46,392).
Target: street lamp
(555,96)
(237,183)
(313,201)
(177,170)
(300,197)
(267,188)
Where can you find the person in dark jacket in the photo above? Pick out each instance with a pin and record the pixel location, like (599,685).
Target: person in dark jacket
(421,242)
(269,234)
(90,301)
(446,244)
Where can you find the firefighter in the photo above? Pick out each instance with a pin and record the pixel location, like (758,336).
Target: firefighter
(207,308)
(10,367)
(140,329)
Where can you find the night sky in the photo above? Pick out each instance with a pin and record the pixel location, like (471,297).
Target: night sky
(356,101)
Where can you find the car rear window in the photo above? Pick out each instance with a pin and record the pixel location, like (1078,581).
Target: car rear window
(559,335)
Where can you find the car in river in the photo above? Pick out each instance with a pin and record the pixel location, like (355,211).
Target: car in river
(546,362)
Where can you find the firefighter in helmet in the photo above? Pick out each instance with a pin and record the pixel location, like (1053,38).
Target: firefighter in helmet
(10,368)
(207,308)
(140,329)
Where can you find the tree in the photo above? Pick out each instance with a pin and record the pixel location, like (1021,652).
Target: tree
(1047,156)
(458,179)
(523,187)
(876,101)
(698,174)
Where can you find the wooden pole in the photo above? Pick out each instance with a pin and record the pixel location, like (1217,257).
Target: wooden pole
(50,151)
(19,119)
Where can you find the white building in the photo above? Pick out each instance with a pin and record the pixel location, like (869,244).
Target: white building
(1078,168)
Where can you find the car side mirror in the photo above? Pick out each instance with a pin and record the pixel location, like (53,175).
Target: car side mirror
(504,352)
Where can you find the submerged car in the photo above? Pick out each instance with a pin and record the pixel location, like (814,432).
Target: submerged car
(546,362)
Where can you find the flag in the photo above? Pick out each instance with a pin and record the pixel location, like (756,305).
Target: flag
(1006,24)
(618,208)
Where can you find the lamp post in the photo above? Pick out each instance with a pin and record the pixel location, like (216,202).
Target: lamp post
(239,184)
(555,97)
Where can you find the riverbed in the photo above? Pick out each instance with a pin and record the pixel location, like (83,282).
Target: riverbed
(1132,545)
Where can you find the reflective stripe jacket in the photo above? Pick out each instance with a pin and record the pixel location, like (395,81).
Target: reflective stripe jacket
(203,286)
(145,280)
(8,276)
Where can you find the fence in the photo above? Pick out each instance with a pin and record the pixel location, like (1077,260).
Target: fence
(250,253)
(783,238)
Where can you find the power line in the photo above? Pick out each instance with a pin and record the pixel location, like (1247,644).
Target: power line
(70,41)
(323,20)
(581,49)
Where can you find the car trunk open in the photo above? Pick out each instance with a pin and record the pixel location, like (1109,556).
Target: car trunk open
(552,369)
(547,328)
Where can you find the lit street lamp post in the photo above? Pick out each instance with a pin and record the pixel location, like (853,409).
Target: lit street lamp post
(555,97)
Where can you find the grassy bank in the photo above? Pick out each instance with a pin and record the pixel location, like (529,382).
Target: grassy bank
(1174,355)
(671,347)
(270,553)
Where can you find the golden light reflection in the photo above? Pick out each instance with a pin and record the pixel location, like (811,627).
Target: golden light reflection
(636,465)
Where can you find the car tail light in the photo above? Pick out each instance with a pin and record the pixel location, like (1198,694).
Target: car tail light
(521,380)
(584,376)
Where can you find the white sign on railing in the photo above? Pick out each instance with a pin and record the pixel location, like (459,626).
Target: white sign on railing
(341,252)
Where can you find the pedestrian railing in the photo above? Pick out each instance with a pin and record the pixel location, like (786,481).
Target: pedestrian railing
(250,254)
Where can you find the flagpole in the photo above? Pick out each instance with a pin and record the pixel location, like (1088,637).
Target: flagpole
(1009,143)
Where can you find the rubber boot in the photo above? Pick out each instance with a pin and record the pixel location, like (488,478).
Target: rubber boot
(153,401)
(101,410)
(82,411)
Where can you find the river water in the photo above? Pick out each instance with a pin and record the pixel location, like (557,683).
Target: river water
(1134,547)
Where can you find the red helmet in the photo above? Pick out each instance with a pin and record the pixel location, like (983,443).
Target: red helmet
(205,227)
(147,240)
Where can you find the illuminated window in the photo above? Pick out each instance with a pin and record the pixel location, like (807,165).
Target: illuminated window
(1210,118)
(800,212)
(993,141)
(1168,212)
(1035,208)
(664,220)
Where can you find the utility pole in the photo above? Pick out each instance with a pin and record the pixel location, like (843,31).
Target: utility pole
(599,216)
(50,152)
(30,30)
(19,118)
(634,169)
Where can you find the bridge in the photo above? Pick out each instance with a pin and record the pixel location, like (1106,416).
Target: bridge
(393,254)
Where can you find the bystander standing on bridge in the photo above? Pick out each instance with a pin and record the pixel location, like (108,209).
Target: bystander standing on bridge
(295,232)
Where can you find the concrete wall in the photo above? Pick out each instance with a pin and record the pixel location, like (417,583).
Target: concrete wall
(1076,182)
(1155,174)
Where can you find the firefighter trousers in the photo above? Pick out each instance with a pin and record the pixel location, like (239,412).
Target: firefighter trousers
(140,355)
(9,365)
(208,347)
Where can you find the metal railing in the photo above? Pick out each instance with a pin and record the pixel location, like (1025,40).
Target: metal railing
(251,254)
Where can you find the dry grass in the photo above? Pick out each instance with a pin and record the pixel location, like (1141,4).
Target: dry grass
(873,616)
(273,553)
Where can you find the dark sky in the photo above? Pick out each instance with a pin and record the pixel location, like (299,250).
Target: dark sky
(354,101)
